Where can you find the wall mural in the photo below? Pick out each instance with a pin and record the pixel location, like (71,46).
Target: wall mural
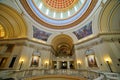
(39,34)
(84,31)
(63,50)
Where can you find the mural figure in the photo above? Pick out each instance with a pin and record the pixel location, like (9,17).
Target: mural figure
(84,31)
(39,34)
(63,50)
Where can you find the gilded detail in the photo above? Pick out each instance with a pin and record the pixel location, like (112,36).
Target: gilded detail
(2,32)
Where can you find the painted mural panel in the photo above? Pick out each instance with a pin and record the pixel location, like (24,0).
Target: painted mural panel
(84,31)
(39,34)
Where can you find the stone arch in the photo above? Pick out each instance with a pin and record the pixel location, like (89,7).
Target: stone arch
(12,22)
(109,19)
(63,43)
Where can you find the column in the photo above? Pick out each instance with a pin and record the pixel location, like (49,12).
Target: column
(58,64)
(68,64)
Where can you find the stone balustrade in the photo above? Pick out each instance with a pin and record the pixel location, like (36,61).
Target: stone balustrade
(88,74)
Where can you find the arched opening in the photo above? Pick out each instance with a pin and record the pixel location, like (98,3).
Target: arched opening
(63,45)
(12,22)
(64,52)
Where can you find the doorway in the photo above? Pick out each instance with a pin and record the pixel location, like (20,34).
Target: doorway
(64,65)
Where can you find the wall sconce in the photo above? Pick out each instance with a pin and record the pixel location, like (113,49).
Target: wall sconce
(21,62)
(46,64)
(78,62)
(108,63)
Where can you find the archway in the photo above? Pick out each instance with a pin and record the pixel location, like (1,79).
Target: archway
(64,51)
(63,45)
(12,22)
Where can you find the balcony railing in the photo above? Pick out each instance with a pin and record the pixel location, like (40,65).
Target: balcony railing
(88,74)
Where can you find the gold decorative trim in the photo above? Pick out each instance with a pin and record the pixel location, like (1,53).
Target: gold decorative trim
(12,22)
(98,36)
(58,76)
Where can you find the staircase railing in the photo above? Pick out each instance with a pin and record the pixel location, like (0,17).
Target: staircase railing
(88,74)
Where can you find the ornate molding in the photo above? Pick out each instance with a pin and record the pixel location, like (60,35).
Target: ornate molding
(98,39)
(26,42)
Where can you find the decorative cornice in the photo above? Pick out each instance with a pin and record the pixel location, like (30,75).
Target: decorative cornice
(95,40)
(26,42)
(98,39)
(111,34)
(84,46)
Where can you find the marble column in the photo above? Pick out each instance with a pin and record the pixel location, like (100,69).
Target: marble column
(58,64)
(68,64)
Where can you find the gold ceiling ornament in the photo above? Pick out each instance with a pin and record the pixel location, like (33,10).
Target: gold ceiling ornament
(60,5)
(2,32)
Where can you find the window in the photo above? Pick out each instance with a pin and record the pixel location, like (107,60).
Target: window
(12,62)
(3,61)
